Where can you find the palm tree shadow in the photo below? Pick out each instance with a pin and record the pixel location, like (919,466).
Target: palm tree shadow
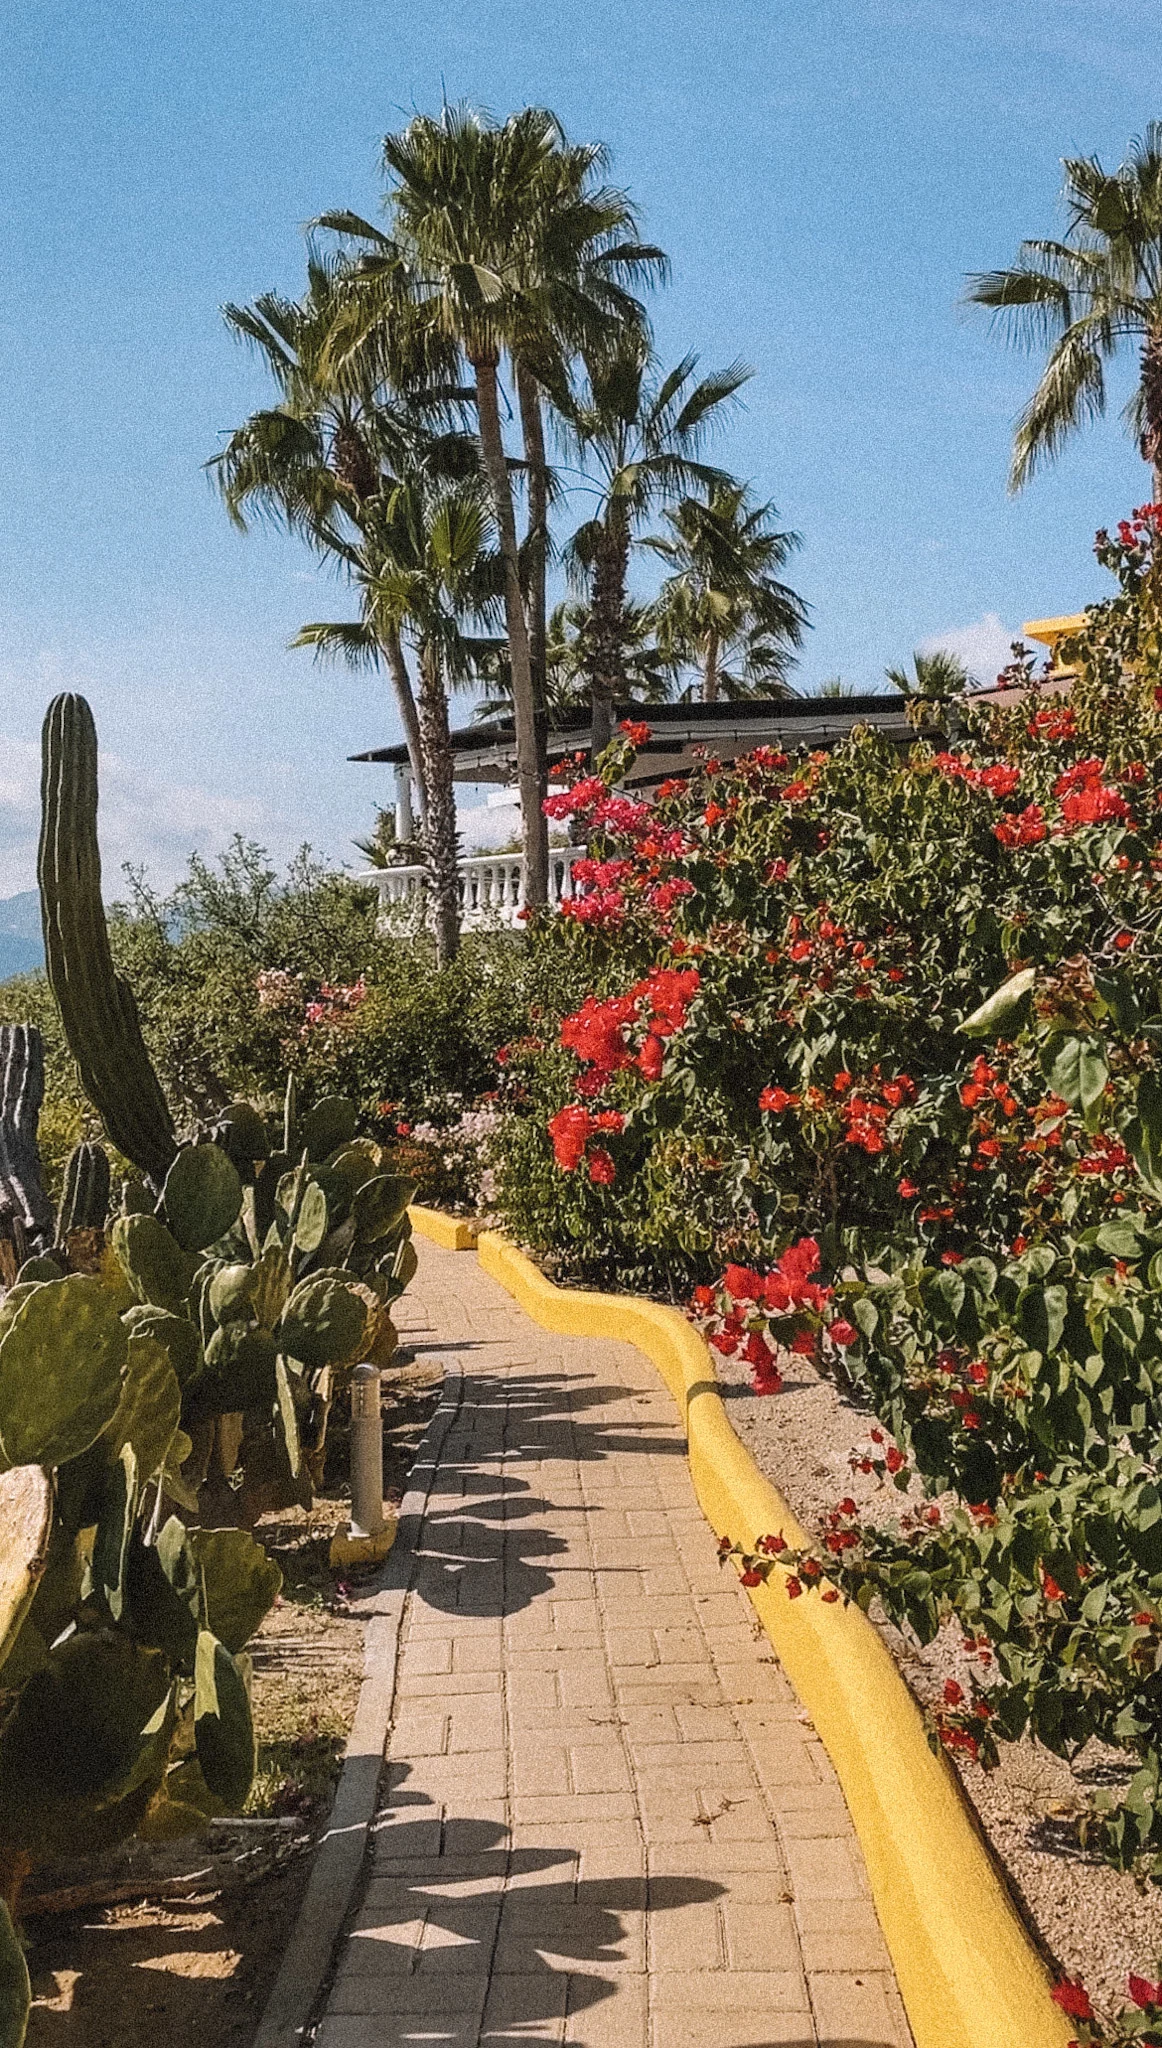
(455,1899)
(472,1559)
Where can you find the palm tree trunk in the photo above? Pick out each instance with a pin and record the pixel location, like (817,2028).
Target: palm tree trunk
(607,679)
(536,557)
(440,829)
(1152,407)
(408,718)
(710,671)
(536,835)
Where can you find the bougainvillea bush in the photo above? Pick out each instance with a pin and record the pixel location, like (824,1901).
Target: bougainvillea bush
(869,1064)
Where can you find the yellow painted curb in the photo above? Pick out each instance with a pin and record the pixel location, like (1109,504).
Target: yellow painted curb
(347,1550)
(454,1233)
(967,1970)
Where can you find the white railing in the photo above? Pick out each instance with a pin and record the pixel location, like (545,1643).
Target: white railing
(491,887)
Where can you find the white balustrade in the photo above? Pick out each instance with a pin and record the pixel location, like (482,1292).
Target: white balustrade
(491,887)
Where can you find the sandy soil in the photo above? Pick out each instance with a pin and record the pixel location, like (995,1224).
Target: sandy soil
(1092,1921)
(195,1966)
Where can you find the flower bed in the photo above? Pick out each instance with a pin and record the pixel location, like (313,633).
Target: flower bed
(773,1072)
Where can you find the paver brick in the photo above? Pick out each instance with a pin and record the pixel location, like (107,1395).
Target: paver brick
(606,1822)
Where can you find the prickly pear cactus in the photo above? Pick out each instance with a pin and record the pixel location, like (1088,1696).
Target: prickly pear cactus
(25,1522)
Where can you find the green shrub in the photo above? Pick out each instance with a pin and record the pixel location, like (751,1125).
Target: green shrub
(904,1016)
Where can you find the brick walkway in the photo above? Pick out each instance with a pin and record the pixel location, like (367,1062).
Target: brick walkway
(605,1821)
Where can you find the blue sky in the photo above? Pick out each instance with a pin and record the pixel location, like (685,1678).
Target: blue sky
(822,176)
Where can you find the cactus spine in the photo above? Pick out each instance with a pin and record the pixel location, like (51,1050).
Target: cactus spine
(97,1008)
(84,1203)
(25,1210)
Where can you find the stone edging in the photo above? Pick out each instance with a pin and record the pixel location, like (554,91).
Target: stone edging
(339,1857)
(968,1972)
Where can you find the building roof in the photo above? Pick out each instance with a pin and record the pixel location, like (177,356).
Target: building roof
(487,753)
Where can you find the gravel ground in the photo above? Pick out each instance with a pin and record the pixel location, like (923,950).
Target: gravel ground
(1093,1922)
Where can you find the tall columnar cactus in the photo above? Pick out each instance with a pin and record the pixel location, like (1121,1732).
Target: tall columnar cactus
(84,1203)
(97,1007)
(24,1207)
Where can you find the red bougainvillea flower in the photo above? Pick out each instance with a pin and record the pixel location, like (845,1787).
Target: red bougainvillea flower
(652,1057)
(602,1170)
(742,1283)
(750,1577)
(1073,1998)
(778,1099)
(569,1131)
(1001,779)
(1144,1993)
(794,1588)
(894,1459)
(1026,828)
(843,1333)
(953,1693)
(637,732)
(1050,1587)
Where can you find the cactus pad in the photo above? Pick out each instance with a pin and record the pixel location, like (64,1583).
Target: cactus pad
(203,1196)
(329,1124)
(223,1729)
(241,1582)
(61,1361)
(156,1267)
(77,1736)
(25,1522)
(323,1323)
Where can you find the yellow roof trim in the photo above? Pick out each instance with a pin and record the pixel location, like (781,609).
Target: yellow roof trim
(1050,631)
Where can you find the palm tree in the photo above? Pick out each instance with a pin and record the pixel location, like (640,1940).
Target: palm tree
(934,676)
(316,462)
(638,441)
(503,250)
(428,569)
(1087,295)
(649,677)
(722,599)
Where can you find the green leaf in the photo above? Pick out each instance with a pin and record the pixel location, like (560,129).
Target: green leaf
(1120,1240)
(1064,1070)
(223,1729)
(999,1007)
(1093,1075)
(1041,1317)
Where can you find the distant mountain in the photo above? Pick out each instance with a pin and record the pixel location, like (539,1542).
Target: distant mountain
(21,946)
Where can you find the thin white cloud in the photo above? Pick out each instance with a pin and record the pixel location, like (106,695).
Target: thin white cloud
(142,820)
(985,646)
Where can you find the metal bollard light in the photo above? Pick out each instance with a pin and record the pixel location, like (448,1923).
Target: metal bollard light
(366,1453)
